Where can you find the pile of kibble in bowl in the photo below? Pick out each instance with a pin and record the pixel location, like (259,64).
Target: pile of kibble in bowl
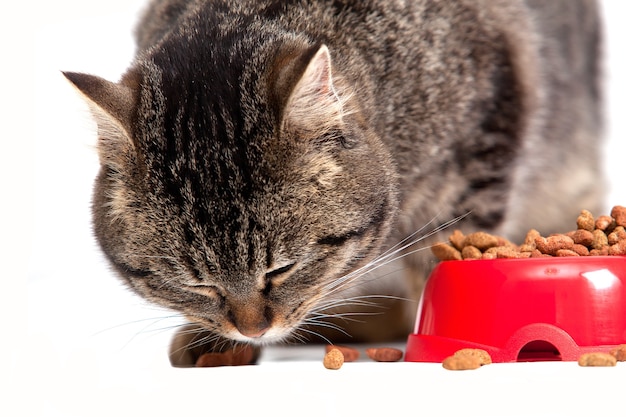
(601,236)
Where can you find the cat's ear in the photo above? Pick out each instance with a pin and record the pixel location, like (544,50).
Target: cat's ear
(314,103)
(112,106)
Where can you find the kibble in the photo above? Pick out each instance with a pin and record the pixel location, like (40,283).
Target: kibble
(333,359)
(481,240)
(602,236)
(586,221)
(384,354)
(482,355)
(236,356)
(581,237)
(618,213)
(597,359)
(457,239)
(605,223)
(619,233)
(618,249)
(454,363)
(619,352)
(446,252)
(471,252)
(467,359)
(349,354)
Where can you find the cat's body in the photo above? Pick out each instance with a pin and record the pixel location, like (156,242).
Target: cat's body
(258,151)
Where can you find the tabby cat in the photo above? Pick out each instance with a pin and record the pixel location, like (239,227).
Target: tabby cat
(263,161)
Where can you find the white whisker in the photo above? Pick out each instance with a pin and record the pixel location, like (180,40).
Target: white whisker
(321,336)
(391,255)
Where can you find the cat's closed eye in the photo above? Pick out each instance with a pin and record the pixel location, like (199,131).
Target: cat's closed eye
(278,271)
(277,276)
(209,291)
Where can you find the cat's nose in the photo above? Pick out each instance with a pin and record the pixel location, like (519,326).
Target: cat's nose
(253,330)
(253,333)
(251,323)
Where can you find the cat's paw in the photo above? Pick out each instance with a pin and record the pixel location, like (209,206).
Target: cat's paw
(193,346)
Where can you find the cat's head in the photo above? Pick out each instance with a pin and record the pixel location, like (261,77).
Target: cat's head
(238,192)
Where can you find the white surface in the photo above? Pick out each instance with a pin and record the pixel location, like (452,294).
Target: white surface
(93,349)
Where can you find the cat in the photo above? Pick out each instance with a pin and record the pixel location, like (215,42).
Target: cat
(263,162)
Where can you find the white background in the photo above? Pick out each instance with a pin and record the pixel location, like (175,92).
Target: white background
(76,343)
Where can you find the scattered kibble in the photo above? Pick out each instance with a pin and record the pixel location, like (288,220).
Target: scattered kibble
(349,354)
(384,354)
(597,359)
(619,352)
(467,359)
(333,359)
(239,355)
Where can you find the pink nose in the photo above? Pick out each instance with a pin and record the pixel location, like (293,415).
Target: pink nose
(253,328)
(251,322)
(253,333)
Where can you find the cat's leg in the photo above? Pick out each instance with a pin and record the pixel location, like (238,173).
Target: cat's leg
(192,341)
(184,348)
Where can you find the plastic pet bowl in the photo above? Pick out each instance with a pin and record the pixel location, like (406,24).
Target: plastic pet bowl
(536,309)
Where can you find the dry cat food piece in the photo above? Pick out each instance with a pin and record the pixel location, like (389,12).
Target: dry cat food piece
(445,252)
(619,353)
(467,359)
(482,355)
(333,359)
(585,220)
(384,354)
(240,355)
(552,244)
(597,359)
(619,214)
(349,354)
(605,222)
(455,363)
(602,236)
(481,241)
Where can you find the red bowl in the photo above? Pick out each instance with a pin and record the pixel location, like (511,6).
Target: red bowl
(522,309)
